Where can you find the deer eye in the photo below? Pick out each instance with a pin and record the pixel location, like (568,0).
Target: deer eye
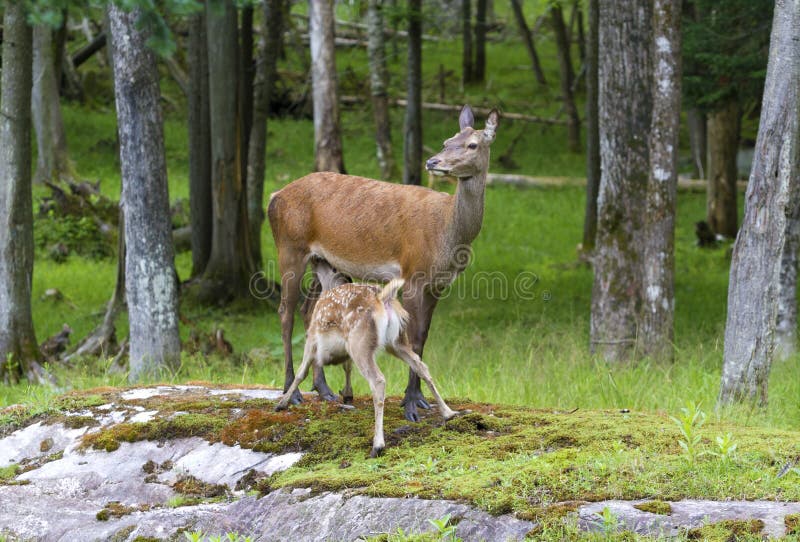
(472,146)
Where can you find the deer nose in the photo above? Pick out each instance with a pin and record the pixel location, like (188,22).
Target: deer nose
(430,164)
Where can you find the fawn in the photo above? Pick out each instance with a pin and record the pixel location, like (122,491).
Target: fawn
(352,322)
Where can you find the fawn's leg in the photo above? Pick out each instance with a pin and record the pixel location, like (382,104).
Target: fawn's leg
(362,351)
(404,352)
(309,355)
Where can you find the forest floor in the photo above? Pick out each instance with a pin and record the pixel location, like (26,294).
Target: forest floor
(554,474)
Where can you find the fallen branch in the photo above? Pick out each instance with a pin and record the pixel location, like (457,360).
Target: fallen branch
(400,102)
(527,181)
(87,51)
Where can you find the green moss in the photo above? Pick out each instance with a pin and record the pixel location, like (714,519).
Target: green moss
(193,487)
(177,426)
(655,507)
(732,530)
(9,472)
(792,522)
(115,509)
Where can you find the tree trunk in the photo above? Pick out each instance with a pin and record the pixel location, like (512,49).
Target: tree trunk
(656,333)
(565,69)
(578,12)
(754,289)
(246,92)
(466,38)
(327,140)
(786,322)
(527,40)
(199,145)
(696,126)
(592,133)
(269,46)
(480,42)
(19,353)
(230,264)
(51,159)
(378,81)
(412,129)
(150,283)
(625,105)
(723,143)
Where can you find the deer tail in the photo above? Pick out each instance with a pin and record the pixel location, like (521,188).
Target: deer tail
(389,291)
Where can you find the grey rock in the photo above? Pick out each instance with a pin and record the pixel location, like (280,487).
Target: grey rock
(688,514)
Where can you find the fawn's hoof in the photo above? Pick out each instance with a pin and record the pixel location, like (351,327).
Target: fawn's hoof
(282,405)
(296,398)
(457,413)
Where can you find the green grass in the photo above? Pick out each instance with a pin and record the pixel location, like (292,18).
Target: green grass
(514,347)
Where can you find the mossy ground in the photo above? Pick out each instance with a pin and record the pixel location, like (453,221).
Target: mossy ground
(533,463)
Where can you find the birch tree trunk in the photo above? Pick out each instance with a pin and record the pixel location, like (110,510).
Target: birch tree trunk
(412,129)
(150,280)
(723,143)
(592,133)
(51,145)
(567,76)
(327,140)
(696,126)
(527,40)
(625,105)
(656,335)
(19,352)
(269,46)
(378,81)
(199,145)
(755,283)
(230,264)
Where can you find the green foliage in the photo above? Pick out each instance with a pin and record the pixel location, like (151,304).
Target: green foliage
(58,237)
(726,448)
(689,424)
(610,521)
(725,48)
(446,529)
(199,536)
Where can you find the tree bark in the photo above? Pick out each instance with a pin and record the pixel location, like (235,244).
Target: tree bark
(566,75)
(150,280)
(625,105)
(592,133)
(786,320)
(466,39)
(230,264)
(268,50)
(51,145)
(412,129)
(480,42)
(246,91)
(723,143)
(327,139)
(527,40)
(378,81)
(656,334)
(199,145)
(19,351)
(696,126)
(755,283)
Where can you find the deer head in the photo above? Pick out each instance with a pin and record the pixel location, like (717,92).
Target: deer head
(466,154)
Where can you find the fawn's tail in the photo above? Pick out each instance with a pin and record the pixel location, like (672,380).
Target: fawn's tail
(389,291)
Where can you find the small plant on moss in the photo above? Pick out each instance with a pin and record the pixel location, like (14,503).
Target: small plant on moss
(726,448)
(689,424)
(446,529)
(9,472)
(610,521)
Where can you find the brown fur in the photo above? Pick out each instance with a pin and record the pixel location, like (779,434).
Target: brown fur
(375,230)
(356,317)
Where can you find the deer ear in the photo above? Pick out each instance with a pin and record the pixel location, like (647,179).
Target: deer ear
(491,125)
(466,118)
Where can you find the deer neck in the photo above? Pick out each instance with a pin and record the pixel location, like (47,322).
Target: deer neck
(468,209)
